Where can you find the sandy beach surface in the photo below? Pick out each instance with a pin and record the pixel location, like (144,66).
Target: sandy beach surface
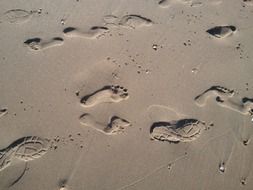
(126,94)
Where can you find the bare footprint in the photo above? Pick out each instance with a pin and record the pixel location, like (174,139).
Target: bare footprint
(16,16)
(184,130)
(3,112)
(248,2)
(164,3)
(134,21)
(92,33)
(218,92)
(115,126)
(224,98)
(108,94)
(196,4)
(24,149)
(39,44)
(244,107)
(221,31)
(110,19)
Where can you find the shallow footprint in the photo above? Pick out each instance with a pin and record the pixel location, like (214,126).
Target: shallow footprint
(92,33)
(221,31)
(16,16)
(164,3)
(248,2)
(116,125)
(220,93)
(39,44)
(135,21)
(108,94)
(184,130)
(244,107)
(24,149)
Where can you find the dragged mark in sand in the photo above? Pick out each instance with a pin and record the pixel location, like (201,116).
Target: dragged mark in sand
(223,97)
(219,92)
(108,94)
(92,33)
(3,111)
(115,126)
(154,171)
(39,44)
(16,16)
(24,149)
(183,130)
(221,31)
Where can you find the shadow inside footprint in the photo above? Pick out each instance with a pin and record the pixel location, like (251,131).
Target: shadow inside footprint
(221,31)
(85,98)
(32,40)
(183,130)
(99,27)
(68,29)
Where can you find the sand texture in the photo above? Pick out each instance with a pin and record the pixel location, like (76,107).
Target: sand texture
(126,95)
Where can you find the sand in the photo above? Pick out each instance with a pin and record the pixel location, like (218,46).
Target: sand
(118,95)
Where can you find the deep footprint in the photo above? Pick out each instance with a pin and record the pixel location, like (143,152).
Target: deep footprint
(92,33)
(108,94)
(39,44)
(184,130)
(115,126)
(24,149)
(221,31)
(218,92)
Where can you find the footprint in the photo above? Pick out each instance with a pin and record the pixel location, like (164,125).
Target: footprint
(196,4)
(3,112)
(24,149)
(164,3)
(115,126)
(92,33)
(220,93)
(110,19)
(244,107)
(39,44)
(224,98)
(184,130)
(221,31)
(248,2)
(16,16)
(108,94)
(134,21)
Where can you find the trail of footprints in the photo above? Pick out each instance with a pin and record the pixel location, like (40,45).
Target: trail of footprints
(183,130)
(107,94)
(127,21)
(132,21)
